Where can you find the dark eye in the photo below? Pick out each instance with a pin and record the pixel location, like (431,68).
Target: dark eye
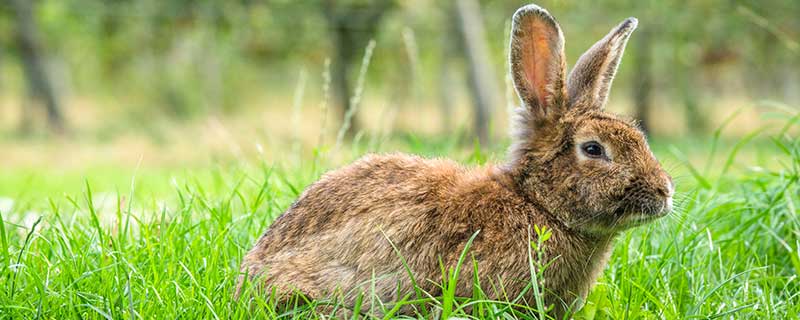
(593,149)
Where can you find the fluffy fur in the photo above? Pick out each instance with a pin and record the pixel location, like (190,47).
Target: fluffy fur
(335,239)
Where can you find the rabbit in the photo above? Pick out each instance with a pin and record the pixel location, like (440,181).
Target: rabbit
(585,174)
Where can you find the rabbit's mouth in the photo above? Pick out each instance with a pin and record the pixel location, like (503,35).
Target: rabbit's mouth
(647,210)
(641,212)
(642,218)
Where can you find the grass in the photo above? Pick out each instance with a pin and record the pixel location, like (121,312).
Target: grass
(161,243)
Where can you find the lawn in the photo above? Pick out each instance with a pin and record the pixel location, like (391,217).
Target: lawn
(148,242)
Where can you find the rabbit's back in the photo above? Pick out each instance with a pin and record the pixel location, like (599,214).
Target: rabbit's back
(340,233)
(335,234)
(373,191)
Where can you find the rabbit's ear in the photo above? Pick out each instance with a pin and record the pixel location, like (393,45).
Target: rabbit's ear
(537,60)
(590,80)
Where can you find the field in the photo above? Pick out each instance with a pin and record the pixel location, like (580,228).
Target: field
(146,145)
(124,240)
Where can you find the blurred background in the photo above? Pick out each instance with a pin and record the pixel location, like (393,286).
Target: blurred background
(108,86)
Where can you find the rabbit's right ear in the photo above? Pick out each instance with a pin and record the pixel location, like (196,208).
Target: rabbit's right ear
(590,79)
(537,60)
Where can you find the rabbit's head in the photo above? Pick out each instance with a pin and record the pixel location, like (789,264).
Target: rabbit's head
(590,169)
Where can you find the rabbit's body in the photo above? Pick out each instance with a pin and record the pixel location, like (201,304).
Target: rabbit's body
(583,173)
(336,237)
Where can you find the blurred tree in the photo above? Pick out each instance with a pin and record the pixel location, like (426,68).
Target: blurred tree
(2,49)
(351,24)
(481,75)
(39,84)
(643,77)
(465,40)
(445,77)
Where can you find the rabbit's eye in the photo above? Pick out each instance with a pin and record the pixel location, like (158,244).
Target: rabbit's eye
(593,149)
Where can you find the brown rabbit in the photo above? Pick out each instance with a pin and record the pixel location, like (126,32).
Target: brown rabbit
(584,173)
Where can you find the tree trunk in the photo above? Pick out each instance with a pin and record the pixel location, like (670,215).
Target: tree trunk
(450,51)
(341,83)
(643,79)
(483,86)
(351,26)
(446,84)
(33,64)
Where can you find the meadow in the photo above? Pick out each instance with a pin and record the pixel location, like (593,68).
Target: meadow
(165,242)
(146,145)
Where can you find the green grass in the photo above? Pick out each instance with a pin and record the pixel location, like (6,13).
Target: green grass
(167,243)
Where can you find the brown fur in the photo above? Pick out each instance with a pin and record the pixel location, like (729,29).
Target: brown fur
(336,237)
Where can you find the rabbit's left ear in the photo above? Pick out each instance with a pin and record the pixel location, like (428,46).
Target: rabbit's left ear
(590,80)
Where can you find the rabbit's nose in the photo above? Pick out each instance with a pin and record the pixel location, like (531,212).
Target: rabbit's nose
(663,190)
(665,187)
